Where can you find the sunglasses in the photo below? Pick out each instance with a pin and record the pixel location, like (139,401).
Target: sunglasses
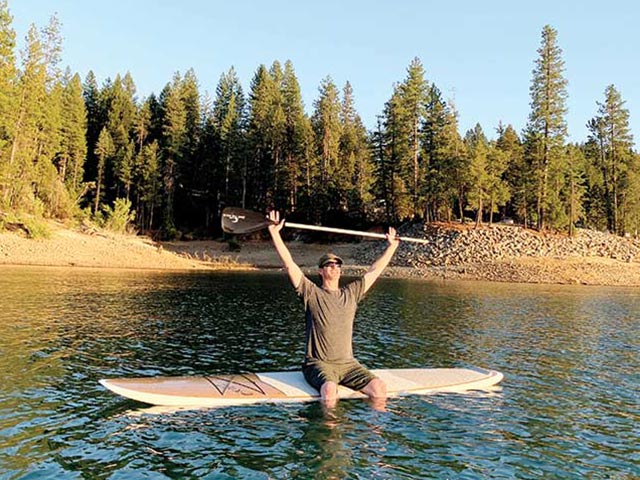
(332,264)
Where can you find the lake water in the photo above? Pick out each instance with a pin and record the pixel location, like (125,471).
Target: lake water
(569,406)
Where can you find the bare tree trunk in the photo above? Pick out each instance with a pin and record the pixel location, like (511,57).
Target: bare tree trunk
(479,214)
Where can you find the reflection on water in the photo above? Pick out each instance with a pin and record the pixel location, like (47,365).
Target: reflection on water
(568,408)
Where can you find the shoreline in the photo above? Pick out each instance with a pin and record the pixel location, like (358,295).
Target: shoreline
(69,248)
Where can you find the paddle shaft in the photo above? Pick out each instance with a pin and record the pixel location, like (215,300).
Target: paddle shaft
(350,232)
(239,221)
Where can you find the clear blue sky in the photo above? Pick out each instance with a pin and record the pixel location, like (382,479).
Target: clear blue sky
(478,53)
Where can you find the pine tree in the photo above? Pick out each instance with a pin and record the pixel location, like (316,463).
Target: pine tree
(391,148)
(595,215)
(104,151)
(73,152)
(8,80)
(326,125)
(31,97)
(142,125)
(277,134)
(31,177)
(575,179)
(567,190)
(8,75)
(120,107)
(498,191)
(381,171)
(188,193)
(611,135)
(148,184)
(405,174)
(355,181)
(444,159)
(96,120)
(412,97)
(297,140)
(193,118)
(517,174)
(140,141)
(52,50)
(207,181)
(479,179)
(173,141)
(49,187)
(260,170)
(546,130)
(631,198)
(32,125)
(229,124)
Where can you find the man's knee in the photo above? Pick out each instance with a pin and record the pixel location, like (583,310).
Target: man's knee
(329,390)
(329,394)
(376,388)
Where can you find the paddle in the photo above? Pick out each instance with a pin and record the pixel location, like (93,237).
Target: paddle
(239,221)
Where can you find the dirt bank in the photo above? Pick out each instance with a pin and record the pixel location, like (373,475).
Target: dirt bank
(75,248)
(72,248)
(69,247)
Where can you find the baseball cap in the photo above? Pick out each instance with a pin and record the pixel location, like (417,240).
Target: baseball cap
(329,257)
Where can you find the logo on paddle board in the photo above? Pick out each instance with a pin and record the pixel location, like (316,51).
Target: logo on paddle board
(233,217)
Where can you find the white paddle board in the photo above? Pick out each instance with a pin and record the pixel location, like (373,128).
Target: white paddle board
(280,387)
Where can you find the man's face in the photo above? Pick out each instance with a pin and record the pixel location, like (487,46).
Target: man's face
(331,270)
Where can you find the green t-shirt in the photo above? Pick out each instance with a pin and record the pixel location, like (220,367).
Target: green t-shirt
(329,320)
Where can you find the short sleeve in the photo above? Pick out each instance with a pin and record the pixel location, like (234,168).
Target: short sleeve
(356,289)
(304,288)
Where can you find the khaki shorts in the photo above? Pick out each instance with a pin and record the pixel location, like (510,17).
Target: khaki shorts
(352,375)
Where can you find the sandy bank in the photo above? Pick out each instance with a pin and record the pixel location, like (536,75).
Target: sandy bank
(71,248)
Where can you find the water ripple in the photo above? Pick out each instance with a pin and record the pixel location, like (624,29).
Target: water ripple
(569,406)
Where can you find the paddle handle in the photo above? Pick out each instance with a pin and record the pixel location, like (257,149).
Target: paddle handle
(351,232)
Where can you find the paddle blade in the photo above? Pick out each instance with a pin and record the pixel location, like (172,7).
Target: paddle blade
(239,221)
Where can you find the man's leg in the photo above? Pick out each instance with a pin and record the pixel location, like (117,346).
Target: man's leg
(360,378)
(376,388)
(322,377)
(329,394)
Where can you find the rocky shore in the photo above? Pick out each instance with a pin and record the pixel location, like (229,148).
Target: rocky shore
(454,252)
(510,253)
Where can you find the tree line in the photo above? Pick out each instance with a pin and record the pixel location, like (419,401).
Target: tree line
(74,148)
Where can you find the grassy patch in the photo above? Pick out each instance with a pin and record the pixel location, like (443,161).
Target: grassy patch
(31,226)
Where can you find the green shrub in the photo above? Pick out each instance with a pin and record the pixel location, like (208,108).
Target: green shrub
(32,226)
(118,217)
(36,228)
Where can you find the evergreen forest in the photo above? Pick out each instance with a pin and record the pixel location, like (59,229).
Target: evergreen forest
(74,148)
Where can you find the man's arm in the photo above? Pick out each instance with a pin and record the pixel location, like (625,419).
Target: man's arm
(379,265)
(295,274)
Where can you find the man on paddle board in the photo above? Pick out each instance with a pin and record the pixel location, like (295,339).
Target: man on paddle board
(330,312)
